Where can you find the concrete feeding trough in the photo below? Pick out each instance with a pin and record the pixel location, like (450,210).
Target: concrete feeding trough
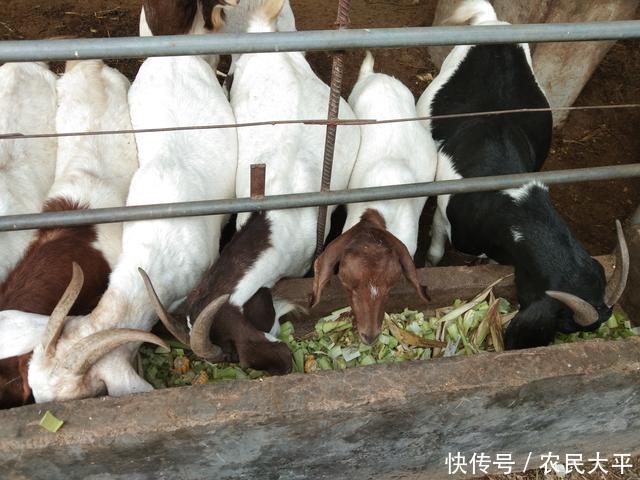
(384,421)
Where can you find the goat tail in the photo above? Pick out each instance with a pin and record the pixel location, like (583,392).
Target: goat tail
(263,15)
(366,68)
(71,64)
(472,12)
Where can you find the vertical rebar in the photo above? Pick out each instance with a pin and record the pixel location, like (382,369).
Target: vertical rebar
(342,22)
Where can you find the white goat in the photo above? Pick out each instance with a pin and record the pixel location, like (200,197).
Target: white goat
(275,244)
(282,86)
(175,166)
(390,154)
(27,105)
(370,256)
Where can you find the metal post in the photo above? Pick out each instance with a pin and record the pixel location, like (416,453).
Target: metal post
(342,22)
(258,174)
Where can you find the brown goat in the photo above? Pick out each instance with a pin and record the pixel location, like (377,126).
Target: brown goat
(38,281)
(371,261)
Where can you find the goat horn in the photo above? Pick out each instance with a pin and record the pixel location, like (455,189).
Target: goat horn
(618,281)
(583,312)
(89,350)
(200,342)
(59,314)
(177,329)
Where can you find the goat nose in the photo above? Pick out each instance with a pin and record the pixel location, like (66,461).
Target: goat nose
(368,338)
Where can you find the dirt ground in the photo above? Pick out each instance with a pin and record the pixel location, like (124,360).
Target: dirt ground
(590,138)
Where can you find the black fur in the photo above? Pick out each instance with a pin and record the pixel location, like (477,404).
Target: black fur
(498,77)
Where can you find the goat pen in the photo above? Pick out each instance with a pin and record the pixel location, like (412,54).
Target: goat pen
(344,423)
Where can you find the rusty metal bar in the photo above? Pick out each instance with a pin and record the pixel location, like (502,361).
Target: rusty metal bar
(258,175)
(337,121)
(342,22)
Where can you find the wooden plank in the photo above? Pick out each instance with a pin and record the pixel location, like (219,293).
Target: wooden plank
(394,421)
(562,69)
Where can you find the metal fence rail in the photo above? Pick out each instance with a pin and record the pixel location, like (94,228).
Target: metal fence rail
(276,202)
(136,47)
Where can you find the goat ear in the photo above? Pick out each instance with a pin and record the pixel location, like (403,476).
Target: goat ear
(20,332)
(326,262)
(408,267)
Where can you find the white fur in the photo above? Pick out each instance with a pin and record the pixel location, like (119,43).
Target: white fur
(27,105)
(273,86)
(272,338)
(20,332)
(517,234)
(238,17)
(390,154)
(238,20)
(521,193)
(475,12)
(174,167)
(95,171)
(373,290)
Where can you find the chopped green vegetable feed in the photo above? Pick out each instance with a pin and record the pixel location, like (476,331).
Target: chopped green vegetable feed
(50,422)
(461,329)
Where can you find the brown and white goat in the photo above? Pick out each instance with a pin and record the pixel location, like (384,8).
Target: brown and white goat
(381,237)
(242,333)
(91,172)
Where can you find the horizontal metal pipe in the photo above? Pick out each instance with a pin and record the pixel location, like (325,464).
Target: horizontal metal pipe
(278,202)
(136,47)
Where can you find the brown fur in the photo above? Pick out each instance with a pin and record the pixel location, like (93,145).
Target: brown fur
(169,17)
(175,17)
(240,334)
(37,282)
(370,258)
